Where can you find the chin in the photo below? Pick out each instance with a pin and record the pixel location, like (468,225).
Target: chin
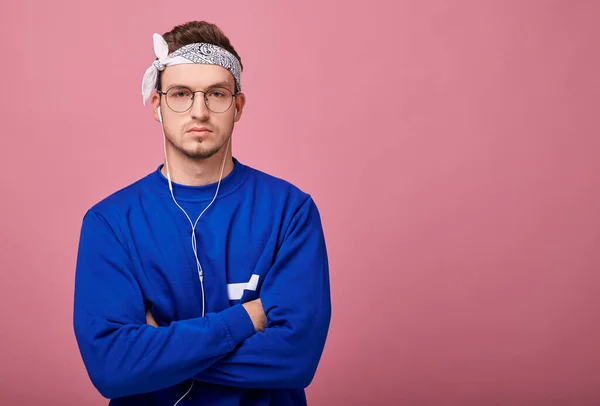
(200,153)
(195,149)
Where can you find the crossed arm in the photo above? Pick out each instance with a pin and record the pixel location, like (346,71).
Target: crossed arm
(253,308)
(273,342)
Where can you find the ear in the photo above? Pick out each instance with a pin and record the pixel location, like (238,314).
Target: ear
(240,101)
(156,105)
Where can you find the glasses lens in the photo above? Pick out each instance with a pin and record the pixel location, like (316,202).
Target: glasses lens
(179,98)
(219,99)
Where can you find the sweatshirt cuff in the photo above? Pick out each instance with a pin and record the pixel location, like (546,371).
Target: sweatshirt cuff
(238,324)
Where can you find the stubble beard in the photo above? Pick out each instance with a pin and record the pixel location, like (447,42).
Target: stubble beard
(199,151)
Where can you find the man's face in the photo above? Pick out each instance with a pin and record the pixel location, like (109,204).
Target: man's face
(198,132)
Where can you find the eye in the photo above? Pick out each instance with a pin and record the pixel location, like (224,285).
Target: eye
(179,93)
(216,94)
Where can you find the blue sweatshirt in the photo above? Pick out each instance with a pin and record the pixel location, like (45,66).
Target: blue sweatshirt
(261,238)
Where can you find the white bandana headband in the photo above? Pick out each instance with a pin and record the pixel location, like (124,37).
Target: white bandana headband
(192,53)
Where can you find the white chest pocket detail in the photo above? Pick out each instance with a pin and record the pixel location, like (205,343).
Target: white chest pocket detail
(236,290)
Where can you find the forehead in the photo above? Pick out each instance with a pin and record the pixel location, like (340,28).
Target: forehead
(197,76)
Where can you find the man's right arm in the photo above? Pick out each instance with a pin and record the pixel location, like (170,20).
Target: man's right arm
(122,354)
(254,308)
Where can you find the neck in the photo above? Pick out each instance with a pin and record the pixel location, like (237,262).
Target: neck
(197,172)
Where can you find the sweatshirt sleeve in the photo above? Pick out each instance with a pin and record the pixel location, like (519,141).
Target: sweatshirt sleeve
(122,354)
(296,298)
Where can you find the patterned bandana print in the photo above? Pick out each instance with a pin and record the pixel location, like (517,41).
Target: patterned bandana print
(192,53)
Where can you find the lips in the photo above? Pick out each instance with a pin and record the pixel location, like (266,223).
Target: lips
(198,130)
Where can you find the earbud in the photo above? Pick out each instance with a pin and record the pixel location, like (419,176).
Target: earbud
(159,115)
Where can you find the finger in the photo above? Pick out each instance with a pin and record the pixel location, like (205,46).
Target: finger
(150,319)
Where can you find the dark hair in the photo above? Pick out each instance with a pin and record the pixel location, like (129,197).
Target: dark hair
(197,31)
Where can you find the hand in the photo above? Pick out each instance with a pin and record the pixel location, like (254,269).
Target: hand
(150,319)
(257,314)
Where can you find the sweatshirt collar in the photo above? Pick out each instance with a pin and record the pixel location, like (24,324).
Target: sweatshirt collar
(229,184)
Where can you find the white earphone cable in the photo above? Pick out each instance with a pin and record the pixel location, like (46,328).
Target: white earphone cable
(194,242)
(193,225)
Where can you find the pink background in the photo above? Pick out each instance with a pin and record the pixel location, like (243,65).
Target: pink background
(463,139)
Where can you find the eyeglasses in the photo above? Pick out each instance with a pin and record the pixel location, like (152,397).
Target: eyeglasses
(180,99)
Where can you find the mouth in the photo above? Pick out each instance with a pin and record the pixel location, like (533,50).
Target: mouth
(198,130)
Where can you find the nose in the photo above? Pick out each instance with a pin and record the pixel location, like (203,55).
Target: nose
(199,110)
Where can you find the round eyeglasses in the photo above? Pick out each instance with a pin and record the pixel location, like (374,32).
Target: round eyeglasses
(180,99)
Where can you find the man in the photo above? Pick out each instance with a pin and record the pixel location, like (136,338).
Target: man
(206,282)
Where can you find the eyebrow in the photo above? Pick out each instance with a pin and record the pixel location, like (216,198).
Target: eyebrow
(224,84)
